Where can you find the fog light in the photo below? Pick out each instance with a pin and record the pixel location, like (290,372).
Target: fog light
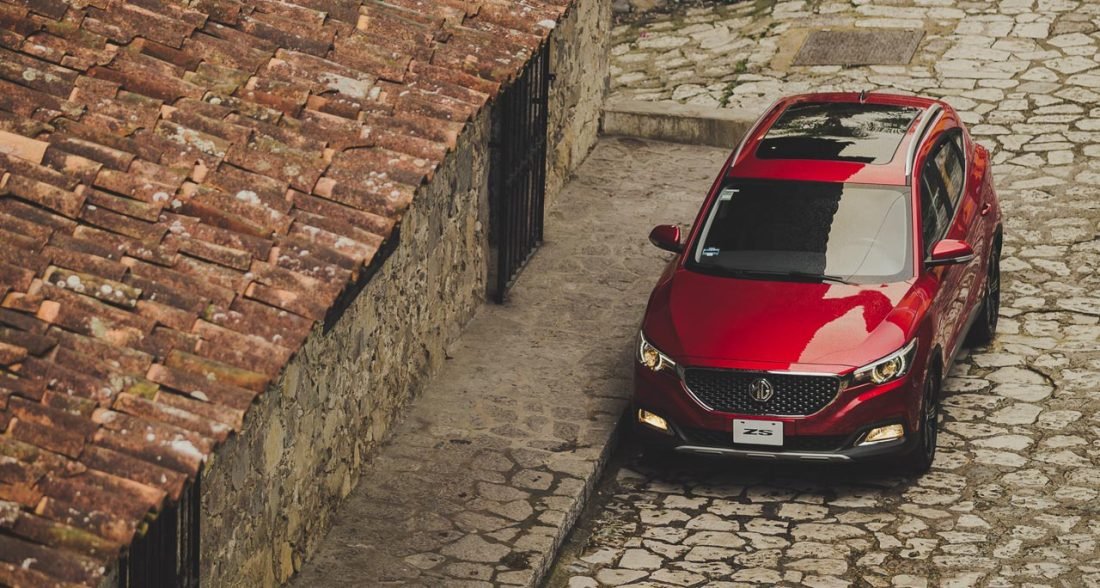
(887,433)
(648,418)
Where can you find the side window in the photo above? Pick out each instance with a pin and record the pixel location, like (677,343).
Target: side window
(949,164)
(957,140)
(935,206)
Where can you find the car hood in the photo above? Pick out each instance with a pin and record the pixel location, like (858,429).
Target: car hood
(696,316)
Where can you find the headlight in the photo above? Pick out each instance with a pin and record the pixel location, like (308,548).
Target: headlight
(653,358)
(890,368)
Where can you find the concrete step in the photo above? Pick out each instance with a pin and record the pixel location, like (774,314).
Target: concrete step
(679,123)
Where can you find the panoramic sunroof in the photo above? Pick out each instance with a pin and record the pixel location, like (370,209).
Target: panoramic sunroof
(838,131)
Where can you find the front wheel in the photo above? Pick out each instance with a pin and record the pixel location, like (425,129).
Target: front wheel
(986,326)
(920,458)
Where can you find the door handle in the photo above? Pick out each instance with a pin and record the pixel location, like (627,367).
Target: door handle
(986,208)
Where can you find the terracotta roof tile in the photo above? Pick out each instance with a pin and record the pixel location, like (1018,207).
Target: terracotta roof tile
(60,441)
(159,443)
(165,340)
(363,52)
(29,302)
(36,74)
(14,19)
(32,343)
(27,387)
(186,187)
(103,153)
(56,199)
(61,536)
(124,466)
(296,302)
(63,565)
(224,256)
(92,490)
(75,166)
(97,521)
(24,102)
(199,387)
(289,32)
(233,348)
(11,354)
(247,317)
(135,208)
(18,226)
(173,415)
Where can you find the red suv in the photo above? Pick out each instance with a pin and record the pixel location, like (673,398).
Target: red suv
(848,247)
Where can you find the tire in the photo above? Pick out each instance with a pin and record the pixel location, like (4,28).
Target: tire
(985,327)
(920,458)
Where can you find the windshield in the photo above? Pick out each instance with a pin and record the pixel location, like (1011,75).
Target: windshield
(805,230)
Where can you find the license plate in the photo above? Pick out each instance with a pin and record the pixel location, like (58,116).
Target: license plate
(758,432)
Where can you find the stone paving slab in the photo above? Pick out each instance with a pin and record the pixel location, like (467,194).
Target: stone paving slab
(483,479)
(1012,499)
(859,47)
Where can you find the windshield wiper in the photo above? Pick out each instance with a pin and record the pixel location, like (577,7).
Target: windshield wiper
(753,273)
(823,277)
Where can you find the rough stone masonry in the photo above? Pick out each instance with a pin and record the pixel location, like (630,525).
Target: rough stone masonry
(272,492)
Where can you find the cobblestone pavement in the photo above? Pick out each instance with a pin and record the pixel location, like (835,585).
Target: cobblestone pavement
(484,477)
(1013,497)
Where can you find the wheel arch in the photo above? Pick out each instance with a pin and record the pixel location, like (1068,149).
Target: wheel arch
(935,365)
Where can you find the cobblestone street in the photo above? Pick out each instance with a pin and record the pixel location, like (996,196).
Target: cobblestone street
(1012,499)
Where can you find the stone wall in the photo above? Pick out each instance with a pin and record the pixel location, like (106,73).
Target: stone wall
(579,59)
(270,493)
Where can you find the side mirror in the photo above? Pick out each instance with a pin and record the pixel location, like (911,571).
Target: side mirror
(666,237)
(950,252)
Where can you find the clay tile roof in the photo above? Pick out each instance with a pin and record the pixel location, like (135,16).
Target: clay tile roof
(186,187)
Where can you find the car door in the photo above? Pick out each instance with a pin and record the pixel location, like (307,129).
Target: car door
(968,224)
(937,220)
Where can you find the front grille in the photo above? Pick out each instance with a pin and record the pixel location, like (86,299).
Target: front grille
(714,438)
(728,391)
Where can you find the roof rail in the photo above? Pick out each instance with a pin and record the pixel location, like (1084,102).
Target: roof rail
(931,115)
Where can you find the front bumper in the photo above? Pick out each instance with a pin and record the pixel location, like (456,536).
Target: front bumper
(854,454)
(833,434)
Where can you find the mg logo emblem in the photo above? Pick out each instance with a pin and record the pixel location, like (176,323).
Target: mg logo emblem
(761,390)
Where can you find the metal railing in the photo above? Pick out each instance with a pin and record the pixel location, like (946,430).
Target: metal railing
(518,170)
(167,555)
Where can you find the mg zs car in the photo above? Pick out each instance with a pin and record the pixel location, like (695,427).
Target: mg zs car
(848,247)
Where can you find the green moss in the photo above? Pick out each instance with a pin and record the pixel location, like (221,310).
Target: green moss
(78,540)
(762,7)
(143,388)
(740,68)
(216,371)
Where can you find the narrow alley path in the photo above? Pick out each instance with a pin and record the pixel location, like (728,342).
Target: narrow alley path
(480,480)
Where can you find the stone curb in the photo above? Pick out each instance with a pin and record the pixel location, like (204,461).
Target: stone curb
(678,123)
(580,503)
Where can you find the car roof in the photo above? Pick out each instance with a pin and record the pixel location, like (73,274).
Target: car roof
(836,137)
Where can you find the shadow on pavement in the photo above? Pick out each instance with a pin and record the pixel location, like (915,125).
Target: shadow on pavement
(674,468)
